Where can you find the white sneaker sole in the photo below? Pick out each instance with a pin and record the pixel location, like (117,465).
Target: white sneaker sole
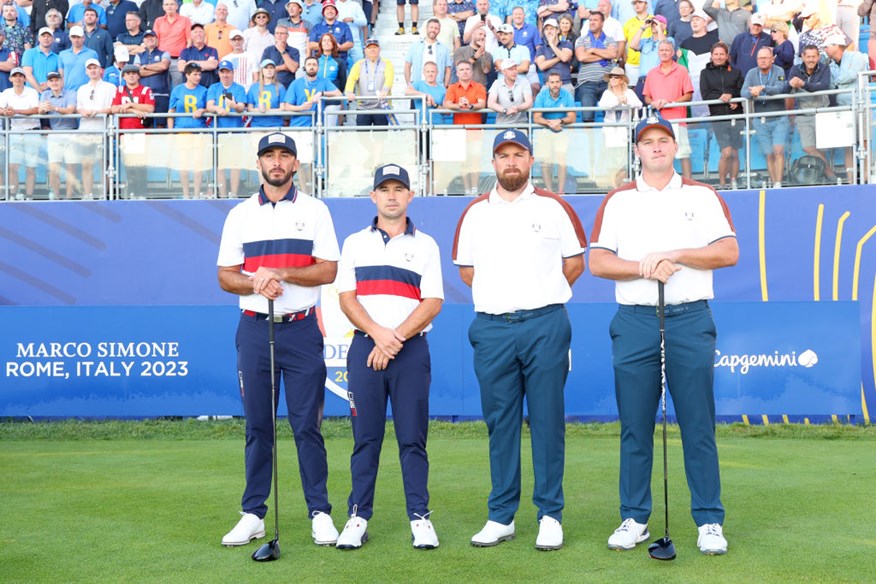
(497,541)
(718,552)
(328,542)
(257,535)
(620,548)
(424,546)
(351,546)
(548,548)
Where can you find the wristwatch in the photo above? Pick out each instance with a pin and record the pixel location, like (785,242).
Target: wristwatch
(504,111)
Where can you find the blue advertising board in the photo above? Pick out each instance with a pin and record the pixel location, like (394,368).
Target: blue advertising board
(132,285)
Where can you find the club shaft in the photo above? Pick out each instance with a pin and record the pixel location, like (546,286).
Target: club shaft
(661,309)
(274,415)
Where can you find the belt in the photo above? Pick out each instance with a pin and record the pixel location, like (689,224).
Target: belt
(520,315)
(280,318)
(671,309)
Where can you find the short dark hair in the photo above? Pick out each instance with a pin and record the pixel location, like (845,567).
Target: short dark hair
(91,8)
(190,67)
(197,25)
(597,13)
(809,48)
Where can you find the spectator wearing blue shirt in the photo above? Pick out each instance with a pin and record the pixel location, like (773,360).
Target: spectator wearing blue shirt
(306,92)
(154,63)
(342,34)
(428,49)
(286,57)
(97,38)
(227,100)
(56,101)
(6,64)
(433,93)
(39,61)
(206,57)
(55,22)
(266,96)
(743,51)
(311,12)
(525,33)
(553,143)
(132,37)
(460,11)
(190,151)
(76,14)
(277,10)
(113,74)
(116,11)
(555,55)
(71,62)
(328,61)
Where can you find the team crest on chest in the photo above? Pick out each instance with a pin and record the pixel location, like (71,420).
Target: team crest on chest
(409,257)
(536,227)
(689,215)
(299,225)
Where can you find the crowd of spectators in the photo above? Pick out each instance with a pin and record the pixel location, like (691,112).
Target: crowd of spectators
(277,59)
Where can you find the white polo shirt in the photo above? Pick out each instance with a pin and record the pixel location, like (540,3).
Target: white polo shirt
(637,219)
(517,250)
(94,95)
(292,233)
(390,276)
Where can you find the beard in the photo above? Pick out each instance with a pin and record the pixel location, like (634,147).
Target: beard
(277,182)
(513,182)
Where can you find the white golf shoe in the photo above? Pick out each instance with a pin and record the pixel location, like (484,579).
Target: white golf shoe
(322,529)
(550,534)
(628,535)
(711,539)
(354,535)
(423,536)
(492,534)
(249,527)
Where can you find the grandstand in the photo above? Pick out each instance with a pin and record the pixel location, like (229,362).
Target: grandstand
(337,159)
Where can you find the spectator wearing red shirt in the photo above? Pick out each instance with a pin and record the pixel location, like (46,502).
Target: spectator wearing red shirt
(174,34)
(133,98)
(669,82)
(468,98)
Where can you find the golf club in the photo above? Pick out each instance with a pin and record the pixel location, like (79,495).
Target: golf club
(663,548)
(271,551)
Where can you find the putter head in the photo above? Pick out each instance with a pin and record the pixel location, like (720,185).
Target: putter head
(267,552)
(662,549)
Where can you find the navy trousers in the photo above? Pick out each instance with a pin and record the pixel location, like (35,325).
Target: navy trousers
(521,355)
(298,349)
(406,383)
(690,357)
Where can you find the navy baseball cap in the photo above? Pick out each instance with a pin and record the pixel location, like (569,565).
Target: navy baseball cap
(511,137)
(277,140)
(654,121)
(391,172)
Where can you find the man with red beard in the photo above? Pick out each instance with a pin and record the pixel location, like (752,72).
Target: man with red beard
(521,249)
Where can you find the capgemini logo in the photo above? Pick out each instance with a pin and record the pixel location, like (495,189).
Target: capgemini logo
(744,363)
(807,358)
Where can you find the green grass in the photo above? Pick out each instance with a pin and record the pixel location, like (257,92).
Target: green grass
(149,502)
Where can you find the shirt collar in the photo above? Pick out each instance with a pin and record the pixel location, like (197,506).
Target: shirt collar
(674,183)
(290,196)
(410,229)
(528,192)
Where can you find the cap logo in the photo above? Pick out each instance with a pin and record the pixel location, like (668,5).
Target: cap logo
(652,119)
(391,170)
(276,139)
(509,135)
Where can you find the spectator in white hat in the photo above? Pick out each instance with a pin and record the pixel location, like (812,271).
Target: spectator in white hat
(19,101)
(94,100)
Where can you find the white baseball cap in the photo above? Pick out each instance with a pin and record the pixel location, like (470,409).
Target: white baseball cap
(90,62)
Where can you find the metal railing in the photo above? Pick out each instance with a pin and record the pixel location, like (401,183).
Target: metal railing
(337,160)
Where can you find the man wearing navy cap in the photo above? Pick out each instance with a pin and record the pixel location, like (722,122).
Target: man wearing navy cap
(662,227)
(280,245)
(391,288)
(520,249)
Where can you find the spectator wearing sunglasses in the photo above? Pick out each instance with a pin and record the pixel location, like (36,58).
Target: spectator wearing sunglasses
(510,95)
(219,31)
(428,50)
